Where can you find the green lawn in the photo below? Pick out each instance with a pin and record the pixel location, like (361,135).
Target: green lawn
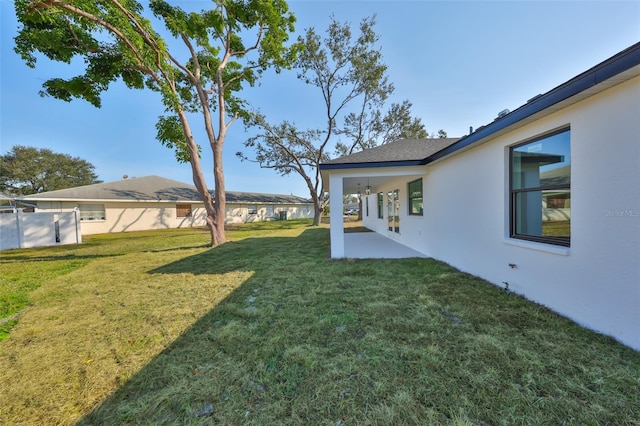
(155,328)
(556,228)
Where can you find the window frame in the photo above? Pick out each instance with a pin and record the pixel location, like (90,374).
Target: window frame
(393,211)
(181,207)
(411,198)
(380,205)
(95,218)
(513,193)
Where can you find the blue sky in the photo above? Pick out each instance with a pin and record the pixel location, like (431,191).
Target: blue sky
(459,63)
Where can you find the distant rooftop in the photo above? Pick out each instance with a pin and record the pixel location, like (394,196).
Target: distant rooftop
(154,188)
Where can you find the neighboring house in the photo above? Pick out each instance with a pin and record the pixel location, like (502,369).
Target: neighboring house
(545,199)
(153,202)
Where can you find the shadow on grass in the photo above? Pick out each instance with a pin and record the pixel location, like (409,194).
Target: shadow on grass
(269,225)
(156,393)
(27,259)
(263,254)
(308,340)
(178,248)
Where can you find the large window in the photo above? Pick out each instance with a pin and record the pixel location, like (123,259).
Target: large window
(183,210)
(540,188)
(270,212)
(380,205)
(91,212)
(415,197)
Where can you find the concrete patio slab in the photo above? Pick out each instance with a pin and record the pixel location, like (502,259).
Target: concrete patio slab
(371,245)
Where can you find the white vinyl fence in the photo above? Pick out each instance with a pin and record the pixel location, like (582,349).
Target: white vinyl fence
(24,230)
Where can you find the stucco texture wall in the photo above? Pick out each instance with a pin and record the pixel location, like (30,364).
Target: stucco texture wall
(140,216)
(596,281)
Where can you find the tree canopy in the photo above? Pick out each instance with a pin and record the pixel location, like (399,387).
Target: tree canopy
(371,128)
(349,71)
(199,68)
(26,170)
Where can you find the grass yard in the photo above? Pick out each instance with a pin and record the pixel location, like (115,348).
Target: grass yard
(556,228)
(155,328)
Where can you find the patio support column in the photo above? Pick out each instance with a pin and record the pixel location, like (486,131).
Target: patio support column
(336,220)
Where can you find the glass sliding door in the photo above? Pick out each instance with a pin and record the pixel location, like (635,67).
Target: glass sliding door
(393,211)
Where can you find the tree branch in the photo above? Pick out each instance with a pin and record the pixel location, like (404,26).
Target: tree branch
(202,95)
(115,31)
(154,46)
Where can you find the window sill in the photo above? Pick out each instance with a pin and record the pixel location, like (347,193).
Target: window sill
(548,248)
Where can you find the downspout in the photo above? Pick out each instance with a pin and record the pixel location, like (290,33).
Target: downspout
(78,234)
(20,236)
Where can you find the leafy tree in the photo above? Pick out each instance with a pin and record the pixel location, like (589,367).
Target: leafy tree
(441,134)
(369,129)
(222,49)
(350,73)
(26,170)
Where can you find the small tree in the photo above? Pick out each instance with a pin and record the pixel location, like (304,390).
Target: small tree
(288,150)
(224,48)
(441,134)
(26,170)
(350,73)
(370,128)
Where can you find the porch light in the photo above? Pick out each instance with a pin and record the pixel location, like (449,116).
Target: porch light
(368,190)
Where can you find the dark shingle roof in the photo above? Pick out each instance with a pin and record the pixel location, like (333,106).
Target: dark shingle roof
(401,150)
(154,188)
(260,198)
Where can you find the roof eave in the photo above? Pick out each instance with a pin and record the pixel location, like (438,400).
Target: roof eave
(614,66)
(365,165)
(555,99)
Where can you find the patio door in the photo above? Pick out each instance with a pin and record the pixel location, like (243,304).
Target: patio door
(393,211)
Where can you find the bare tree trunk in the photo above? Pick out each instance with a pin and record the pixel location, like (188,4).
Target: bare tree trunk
(201,185)
(220,196)
(213,209)
(317,210)
(209,205)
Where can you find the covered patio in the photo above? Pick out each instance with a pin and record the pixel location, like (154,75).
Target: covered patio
(381,170)
(371,245)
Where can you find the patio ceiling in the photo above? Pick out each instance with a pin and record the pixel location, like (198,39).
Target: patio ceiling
(351,185)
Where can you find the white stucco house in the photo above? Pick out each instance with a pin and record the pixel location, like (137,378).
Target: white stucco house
(545,198)
(154,202)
